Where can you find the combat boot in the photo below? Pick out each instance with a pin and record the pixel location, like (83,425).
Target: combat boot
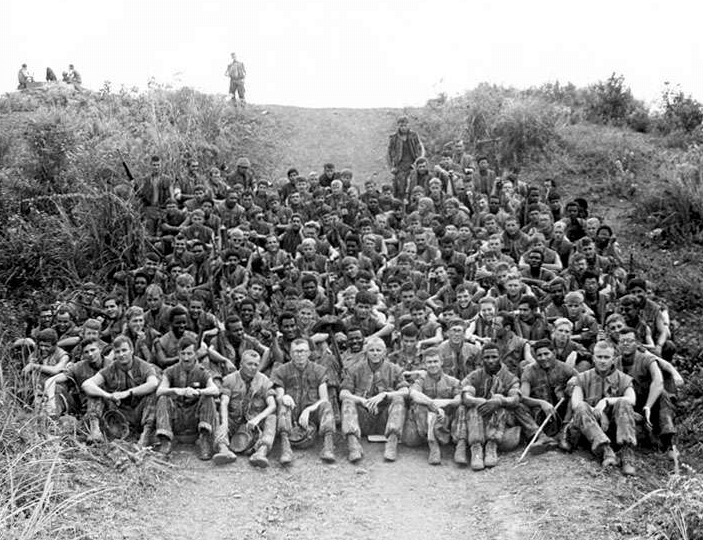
(224,455)
(95,435)
(542,444)
(258,458)
(355,450)
(477,457)
(627,456)
(391,451)
(609,459)
(286,450)
(435,457)
(565,441)
(491,457)
(204,446)
(460,452)
(327,452)
(146,437)
(165,445)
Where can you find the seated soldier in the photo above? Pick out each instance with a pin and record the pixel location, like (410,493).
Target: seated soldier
(408,356)
(487,395)
(602,403)
(301,393)
(435,397)
(185,401)
(166,349)
(127,385)
(648,382)
(566,350)
(543,385)
(373,398)
(69,398)
(47,360)
(247,400)
(459,358)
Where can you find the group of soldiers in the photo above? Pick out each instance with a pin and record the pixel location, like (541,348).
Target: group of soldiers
(451,306)
(25,79)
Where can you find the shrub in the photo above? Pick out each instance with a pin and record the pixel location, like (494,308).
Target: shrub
(610,101)
(679,112)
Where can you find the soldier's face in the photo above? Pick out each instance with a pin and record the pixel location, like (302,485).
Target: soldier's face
(433,365)
(561,334)
(136,323)
(91,353)
(375,353)
(544,357)
(289,328)
(45,319)
(179,325)
(491,360)
(628,343)
(63,322)
(300,355)
(603,358)
(250,365)
(456,334)
(246,312)
(46,348)
(123,356)
(187,357)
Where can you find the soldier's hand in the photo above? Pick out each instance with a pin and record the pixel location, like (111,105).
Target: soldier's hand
(678,380)
(288,401)
(304,419)
(547,408)
(373,403)
(441,415)
(488,407)
(119,396)
(29,368)
(647,413)
(599,409)
(190,392)
(252,424)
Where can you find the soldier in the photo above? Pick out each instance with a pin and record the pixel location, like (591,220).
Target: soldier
(487,395)
(435,397)
(404,147)
(247,400)
(301,393)
(46,361)
(604,397)
(373,395)
(236,73)
(186,401)
(127,385)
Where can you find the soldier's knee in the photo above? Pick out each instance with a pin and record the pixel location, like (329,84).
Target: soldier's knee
(622,407)
(582,408)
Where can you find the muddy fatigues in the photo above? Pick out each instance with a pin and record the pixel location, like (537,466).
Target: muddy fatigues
(662,414)
(303,386)
(246,400)
(442,387)
(459,362)
(138,410)
(183,415)
(367,382)
(596,387)
(549,385)
(473,427)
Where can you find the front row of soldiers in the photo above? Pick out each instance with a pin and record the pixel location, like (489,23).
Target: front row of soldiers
(480,414)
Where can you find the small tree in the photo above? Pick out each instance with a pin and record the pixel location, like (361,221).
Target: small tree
(680,112)
(610,102)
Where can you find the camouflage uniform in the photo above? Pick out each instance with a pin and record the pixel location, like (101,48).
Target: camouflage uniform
(184,415)
(138,410)
(596,387)
(459,363)
(246,400)
(367,383)
(303,387)
(473,427)
(443,387)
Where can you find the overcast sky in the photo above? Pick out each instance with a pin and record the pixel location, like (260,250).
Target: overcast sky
(357,53)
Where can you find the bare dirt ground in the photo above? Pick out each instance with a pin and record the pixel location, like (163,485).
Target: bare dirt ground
(546,497)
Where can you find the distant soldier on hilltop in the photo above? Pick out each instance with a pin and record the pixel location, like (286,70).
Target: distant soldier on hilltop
(24,77)
(404,147)
(236,73)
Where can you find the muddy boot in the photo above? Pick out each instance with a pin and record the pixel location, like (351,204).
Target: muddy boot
(460,452)
(565,443)
(327,452)
(627,456)
(435,457)
(258,458)
(491,457)
(391,451)
(354,447)
(542,444)
(204,446)
(608,456)
(96,435)
(477,457)
(224,455)
(286,450)
(146,437)
(165,445)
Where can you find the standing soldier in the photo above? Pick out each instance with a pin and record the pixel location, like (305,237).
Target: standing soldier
(236,73)
(404,147)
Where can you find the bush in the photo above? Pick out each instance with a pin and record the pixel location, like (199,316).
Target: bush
(611,102)
(679,112)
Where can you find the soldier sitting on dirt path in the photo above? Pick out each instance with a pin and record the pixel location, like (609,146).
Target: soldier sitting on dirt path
(488,394)
(301,393)
(373,396)
(127,386)
(185,401)
(248,407)
(435,397)
(602,404)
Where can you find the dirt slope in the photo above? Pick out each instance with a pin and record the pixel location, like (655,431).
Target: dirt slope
(550,496)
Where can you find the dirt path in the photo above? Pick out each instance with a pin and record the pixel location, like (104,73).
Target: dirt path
(550,496)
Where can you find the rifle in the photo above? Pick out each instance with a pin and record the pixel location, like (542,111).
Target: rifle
(631,269)
(129,174)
